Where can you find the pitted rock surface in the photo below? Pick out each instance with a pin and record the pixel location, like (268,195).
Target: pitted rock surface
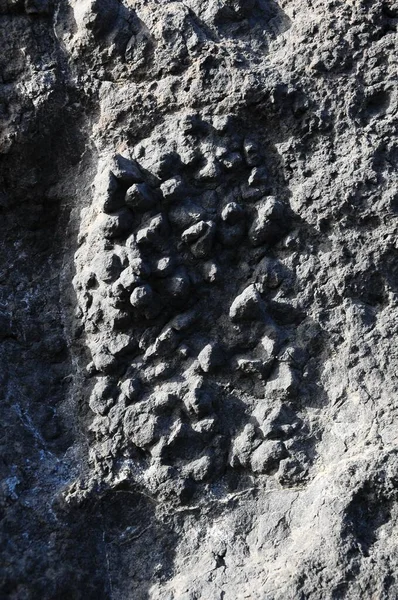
(198,299)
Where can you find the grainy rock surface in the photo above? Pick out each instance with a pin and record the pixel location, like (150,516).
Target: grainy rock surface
(198,299)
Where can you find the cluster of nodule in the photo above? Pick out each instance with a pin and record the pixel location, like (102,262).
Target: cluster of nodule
(194,378)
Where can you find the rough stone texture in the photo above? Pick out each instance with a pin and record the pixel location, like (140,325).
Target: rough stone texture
(198,299)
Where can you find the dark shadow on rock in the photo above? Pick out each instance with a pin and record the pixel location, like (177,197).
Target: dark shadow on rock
(252,18)
(368,510)
(44,555)
(137,548)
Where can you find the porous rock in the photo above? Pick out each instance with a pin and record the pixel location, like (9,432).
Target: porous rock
(178,178)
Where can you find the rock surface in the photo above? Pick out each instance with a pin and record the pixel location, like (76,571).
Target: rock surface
(198,299)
